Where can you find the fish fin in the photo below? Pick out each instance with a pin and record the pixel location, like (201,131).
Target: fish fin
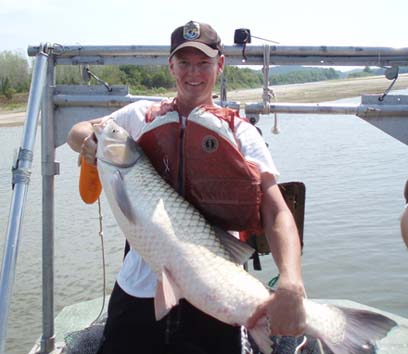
(362,329)
(167,295)
(260,335)
(240,251)
(121,196)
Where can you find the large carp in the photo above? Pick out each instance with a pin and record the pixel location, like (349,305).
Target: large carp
(194,261)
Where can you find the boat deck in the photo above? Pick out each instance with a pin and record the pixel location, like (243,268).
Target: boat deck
(79,316)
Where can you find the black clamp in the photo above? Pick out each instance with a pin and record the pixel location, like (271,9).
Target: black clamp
(391,74)
(242,36)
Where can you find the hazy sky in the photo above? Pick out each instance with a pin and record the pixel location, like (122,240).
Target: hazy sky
(314,22)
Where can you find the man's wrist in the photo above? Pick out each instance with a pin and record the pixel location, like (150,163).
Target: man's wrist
(296,288)
(292,291)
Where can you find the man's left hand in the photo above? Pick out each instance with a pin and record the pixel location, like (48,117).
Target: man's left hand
(285,313)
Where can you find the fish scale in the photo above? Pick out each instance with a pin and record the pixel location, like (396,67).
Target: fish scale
(197,245)
(194,262)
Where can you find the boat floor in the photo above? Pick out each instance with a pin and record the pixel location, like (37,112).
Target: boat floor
(79,316)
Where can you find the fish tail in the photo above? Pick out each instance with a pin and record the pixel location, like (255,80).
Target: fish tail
(362,329)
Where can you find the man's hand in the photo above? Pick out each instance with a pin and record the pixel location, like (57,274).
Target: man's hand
(160,108)
(285,313)
(88,149)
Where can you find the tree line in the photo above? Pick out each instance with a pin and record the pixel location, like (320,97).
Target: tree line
(367,71)
(14,73)
(152,78)
(301,76)
(15,76)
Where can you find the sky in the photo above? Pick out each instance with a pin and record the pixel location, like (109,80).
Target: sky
(142,22)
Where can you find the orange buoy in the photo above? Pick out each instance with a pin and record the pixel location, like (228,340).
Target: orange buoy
(89,183)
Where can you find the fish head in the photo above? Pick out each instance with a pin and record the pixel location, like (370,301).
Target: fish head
(115,145)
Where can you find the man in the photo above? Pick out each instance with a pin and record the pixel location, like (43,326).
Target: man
(195,61)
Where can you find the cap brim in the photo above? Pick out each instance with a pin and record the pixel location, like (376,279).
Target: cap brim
(208,51)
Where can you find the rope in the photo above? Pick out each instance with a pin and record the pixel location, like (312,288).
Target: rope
(246,347)
(275,129)
(265,39)
(300,346)
(267,91)
(87,340)
(103,261)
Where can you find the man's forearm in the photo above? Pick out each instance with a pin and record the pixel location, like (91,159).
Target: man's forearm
(285,247)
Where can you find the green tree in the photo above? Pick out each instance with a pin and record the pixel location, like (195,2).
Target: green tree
(5,88)
(72,74)
(311,75)
(68,75)
(242,77)
(365,72)
(14,71)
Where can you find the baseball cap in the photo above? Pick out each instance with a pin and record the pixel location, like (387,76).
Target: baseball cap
(197,35)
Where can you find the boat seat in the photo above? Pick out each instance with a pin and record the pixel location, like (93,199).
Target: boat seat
(294,194)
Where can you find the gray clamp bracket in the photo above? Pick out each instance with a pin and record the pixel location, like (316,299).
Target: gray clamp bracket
(21,174)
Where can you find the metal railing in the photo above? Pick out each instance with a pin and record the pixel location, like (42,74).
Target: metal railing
(21,180)
(235,55)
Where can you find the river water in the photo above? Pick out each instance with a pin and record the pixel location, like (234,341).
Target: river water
(354,176)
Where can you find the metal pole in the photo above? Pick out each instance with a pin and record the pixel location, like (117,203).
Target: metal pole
(364,110)
(21,179)
(302,108)
(50,168)
(229,50)
(279,55)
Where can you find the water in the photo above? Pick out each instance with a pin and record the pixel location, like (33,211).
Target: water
(354,176)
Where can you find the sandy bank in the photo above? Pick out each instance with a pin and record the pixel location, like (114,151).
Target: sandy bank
(12,119)
(322,91)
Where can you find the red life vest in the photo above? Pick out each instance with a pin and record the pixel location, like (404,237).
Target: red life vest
(199,156)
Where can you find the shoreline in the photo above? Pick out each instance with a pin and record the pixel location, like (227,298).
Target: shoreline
(322,91)
(12,118)
(311,92)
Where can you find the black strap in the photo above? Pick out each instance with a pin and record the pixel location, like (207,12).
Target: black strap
(127,249)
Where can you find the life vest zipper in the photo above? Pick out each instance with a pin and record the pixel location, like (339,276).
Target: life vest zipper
(183,123)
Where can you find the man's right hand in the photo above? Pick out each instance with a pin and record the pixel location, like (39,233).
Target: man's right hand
(81,138)
(88,149)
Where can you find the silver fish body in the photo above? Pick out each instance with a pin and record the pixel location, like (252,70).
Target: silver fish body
(195,262)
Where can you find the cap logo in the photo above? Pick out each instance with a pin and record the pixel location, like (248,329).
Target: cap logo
(191,31)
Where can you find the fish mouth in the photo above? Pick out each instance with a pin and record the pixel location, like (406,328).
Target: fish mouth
(98,128)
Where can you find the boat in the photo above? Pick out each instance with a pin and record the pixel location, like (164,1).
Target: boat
(62,106)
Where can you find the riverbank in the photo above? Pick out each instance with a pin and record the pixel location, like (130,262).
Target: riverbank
(11,119)
(322,91)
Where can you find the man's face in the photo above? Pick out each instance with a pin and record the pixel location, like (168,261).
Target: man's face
(195,75)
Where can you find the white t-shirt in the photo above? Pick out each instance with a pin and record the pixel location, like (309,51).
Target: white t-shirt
(135,276)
